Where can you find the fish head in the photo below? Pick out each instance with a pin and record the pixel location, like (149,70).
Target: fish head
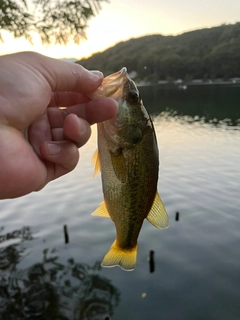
(120,87)
(126,128)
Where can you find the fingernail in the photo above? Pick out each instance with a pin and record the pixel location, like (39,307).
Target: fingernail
(53,149)
(97,74)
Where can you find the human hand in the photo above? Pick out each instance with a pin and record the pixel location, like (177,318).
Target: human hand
(38,141)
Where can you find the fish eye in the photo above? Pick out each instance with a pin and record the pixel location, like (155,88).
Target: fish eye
(133,97)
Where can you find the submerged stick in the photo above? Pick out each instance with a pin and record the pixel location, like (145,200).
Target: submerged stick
(65,231)
(151,262)
(177,216)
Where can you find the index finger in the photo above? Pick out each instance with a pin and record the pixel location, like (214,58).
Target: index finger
(67,99)
(93,111)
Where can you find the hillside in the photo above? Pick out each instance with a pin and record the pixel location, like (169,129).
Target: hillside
(206,54)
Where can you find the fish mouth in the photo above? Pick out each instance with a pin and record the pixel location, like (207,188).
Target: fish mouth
(116,78)
(112,85)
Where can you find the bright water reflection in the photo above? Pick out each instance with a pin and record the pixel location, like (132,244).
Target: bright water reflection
(196,260)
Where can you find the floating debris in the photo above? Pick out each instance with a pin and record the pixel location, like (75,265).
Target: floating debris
(65,231)
(143,295)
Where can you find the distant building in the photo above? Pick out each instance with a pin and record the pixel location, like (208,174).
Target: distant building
(178,81)
(235,80)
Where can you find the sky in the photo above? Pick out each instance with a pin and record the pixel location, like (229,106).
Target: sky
(121,20)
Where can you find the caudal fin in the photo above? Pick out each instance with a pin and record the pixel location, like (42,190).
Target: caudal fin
(124,258)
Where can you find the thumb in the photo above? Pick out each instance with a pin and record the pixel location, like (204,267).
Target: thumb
(67,76)
(60,75)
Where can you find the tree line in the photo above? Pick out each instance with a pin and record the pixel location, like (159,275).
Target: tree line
(201,54)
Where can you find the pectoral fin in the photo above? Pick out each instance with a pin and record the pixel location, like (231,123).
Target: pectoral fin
(119,165)
(158,215)
(101,211)
(96,162)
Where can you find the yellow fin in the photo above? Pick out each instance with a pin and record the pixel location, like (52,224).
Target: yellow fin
(158,215)
(101,211)
(96,162)
(124,258)
(119,166)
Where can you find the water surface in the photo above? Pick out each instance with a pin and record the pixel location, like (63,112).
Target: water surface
(197,258)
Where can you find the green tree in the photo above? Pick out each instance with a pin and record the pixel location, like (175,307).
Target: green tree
(56,21)
(207,53)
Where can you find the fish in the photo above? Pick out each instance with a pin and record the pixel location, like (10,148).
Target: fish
(128,159)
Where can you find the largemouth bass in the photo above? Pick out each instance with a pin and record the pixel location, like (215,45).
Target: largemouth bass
(128,158)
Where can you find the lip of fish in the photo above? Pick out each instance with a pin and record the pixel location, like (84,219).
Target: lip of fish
(127,157)
(111,85)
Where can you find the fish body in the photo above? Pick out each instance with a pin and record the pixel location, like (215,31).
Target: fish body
(128,159)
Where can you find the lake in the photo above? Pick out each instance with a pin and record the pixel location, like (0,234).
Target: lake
(196,260)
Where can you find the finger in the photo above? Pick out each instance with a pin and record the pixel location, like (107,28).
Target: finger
(58,135)
(74,129)
(93,111)
(39,132)
(67,99)
(56,117)
(77,129)
(62,156)
(65,76)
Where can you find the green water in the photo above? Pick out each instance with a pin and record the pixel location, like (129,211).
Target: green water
(213,103)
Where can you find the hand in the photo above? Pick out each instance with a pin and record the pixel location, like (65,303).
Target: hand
(38,141)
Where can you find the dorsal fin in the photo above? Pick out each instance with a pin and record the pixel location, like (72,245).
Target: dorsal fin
(158,215)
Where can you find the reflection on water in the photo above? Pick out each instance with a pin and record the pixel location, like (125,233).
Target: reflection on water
(210,103)
(196,260)
(49,289)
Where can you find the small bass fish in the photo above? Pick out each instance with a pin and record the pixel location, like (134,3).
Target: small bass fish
(128,158)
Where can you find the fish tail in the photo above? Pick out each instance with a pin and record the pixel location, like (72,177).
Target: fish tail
(124,258)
